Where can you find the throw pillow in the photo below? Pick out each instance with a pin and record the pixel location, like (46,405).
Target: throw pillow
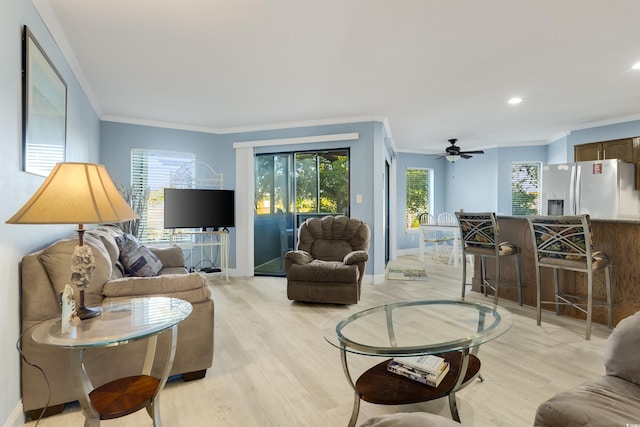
(137,259)
(621,350)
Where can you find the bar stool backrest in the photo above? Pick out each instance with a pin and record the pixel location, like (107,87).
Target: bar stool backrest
(479,229)
(562,237)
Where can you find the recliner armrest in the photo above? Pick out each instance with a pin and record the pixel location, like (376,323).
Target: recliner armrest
(355,257)
(298,257)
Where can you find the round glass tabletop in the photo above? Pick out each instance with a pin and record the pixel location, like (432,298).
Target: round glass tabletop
(119,323)
(417,327)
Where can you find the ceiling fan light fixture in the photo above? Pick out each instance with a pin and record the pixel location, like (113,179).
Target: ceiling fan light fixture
(515,100)
(453,158)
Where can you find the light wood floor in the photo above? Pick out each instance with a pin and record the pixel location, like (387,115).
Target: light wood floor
(272,366)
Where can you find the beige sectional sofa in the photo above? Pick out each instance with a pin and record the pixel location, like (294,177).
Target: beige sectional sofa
(612,399)
(44,274)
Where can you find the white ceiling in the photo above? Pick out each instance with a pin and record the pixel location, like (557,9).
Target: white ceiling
(436,69)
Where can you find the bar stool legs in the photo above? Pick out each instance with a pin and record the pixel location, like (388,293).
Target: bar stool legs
(487,284)
(559,299)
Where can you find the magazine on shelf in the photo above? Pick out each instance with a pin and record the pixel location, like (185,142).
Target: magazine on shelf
(428,363)
(432,380)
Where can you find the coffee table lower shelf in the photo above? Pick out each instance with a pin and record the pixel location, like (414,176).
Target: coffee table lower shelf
(124,396)
(379,386)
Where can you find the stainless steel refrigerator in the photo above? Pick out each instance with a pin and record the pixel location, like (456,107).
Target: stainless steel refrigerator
(600,188)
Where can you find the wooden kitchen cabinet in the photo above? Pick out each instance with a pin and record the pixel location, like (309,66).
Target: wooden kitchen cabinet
(626,149)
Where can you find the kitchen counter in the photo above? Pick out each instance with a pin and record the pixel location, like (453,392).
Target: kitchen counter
(618,238)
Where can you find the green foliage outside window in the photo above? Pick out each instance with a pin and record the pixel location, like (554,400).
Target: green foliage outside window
(417,201)
(322,182)
(525,188)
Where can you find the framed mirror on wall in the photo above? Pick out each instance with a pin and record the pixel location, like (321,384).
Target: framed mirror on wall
(44,109)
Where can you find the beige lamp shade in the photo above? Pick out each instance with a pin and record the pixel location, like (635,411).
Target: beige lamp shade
(75,193)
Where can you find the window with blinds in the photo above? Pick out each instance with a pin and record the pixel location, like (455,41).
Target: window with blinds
(155,170)
(417,201)
(525,188)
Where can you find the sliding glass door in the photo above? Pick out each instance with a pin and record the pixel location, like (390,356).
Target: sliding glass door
(289,188)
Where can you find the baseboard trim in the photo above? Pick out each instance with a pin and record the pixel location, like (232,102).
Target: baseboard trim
(16,419)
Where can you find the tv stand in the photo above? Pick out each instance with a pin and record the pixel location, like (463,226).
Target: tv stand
(206,241)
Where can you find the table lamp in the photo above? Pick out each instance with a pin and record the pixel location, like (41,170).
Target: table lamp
(77,193)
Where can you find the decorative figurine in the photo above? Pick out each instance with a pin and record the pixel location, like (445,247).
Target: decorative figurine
(69,316)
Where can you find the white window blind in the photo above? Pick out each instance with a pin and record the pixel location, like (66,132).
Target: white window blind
(417,201)
(154,169)
(525,188)
(41,158)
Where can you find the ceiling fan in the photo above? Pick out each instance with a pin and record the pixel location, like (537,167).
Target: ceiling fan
(454,154)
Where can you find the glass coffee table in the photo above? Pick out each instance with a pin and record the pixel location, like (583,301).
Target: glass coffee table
(451,329)
(120,323)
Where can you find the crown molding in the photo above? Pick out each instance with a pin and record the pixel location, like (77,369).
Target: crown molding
(251,128)
(50,20)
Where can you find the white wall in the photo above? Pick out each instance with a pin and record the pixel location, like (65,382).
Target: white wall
(16,187)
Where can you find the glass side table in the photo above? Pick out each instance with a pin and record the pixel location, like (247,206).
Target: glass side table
(119,324)
(452,329)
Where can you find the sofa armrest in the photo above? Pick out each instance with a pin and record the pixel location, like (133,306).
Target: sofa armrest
(174,285)
(356,257)
(172,256)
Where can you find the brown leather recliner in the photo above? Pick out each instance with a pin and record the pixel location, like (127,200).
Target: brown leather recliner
(328,265)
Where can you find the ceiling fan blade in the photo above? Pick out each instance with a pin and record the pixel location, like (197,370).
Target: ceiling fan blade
(465,156)
(472,152)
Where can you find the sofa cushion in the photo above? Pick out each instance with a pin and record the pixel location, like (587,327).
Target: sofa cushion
(603,401)
(330,250)
(56,260)
(137,259)
(169,257)
(190,287)
(323,271)
(622,348)
(107,235)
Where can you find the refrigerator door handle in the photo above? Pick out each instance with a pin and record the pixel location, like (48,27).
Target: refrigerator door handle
(576,189)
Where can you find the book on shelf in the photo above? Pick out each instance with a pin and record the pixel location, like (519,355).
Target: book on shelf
(428,363)
(432,380)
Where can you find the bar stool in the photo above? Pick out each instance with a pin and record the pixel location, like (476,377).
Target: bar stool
(564,243)
(480,236)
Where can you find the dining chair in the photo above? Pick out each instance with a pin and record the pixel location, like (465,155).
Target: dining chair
(433,236)
(480,236)
(564,243)
(447,218)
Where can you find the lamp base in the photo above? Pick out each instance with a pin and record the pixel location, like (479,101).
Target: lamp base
(85,313)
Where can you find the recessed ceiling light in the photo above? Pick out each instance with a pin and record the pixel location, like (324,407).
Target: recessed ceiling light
(515,100)
(636,66)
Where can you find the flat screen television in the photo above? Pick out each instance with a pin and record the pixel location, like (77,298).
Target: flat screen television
(189,208)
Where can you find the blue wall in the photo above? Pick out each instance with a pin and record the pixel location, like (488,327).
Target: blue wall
(216,150)
(16,187)
(409,238)
(557,152)
(602,133)
(481,183)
